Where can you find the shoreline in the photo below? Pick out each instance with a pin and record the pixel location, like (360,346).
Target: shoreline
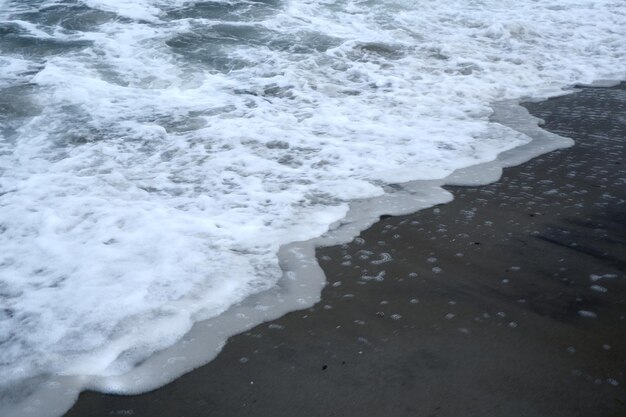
(303,279)
(282,340)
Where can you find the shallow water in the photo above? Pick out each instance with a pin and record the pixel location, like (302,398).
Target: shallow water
(156,155)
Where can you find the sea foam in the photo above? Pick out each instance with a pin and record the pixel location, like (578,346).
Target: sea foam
(158,155)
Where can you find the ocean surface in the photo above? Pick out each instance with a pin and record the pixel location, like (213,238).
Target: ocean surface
(156,154)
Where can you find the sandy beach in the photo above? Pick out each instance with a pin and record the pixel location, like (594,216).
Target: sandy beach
(509,301)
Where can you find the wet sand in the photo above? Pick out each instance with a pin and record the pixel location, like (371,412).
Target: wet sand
(510,301)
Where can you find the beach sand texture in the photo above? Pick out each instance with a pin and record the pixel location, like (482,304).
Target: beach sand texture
(509,301)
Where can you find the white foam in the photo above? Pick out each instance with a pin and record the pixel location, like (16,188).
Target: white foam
(12,70)
(146,10)
(174,156)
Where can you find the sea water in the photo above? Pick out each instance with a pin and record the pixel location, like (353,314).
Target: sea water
(159,158)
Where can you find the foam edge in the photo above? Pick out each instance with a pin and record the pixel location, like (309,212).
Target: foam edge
(303,279)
